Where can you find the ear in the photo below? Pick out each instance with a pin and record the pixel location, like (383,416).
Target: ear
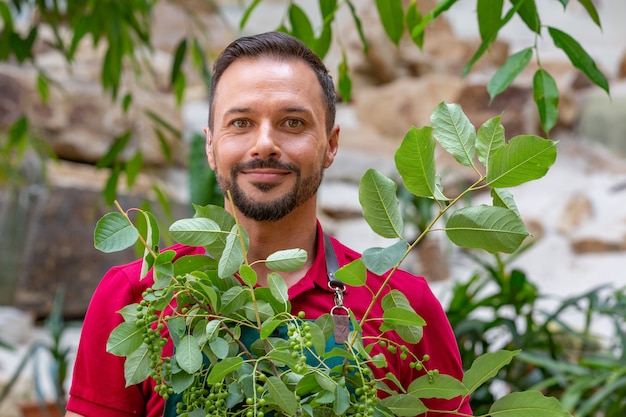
(208,147)
(333,146)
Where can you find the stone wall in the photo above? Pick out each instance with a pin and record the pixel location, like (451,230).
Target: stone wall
(394,88)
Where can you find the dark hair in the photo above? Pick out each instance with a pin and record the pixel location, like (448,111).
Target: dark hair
(275,45)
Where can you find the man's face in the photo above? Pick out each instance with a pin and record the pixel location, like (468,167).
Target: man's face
(269,145)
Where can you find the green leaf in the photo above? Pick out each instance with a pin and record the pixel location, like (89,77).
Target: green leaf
(395,298)
(546,95)
(527,404)
(344,84)
(353,273)
(179,57)
(219,347)
(455,133)
(413,18)
(114,151)
(524,158)
(124,339)
(42,88)
(247,12)
(404,405)
(268,327)
(132,168)
(114,232)
(137,366)
(194,263)
(392,17)
(489,15)
(415,161)
(188,355)
(248,275)
(286,260)
(397,316)
(224,367)
(181,381)
(592,11)
(485,367)
(198,231)
(278,287)
(163,268)
(342,400)
(494,229)
(527,10)
(232,256)
(301,26)
(281,396)
(224,220)
(233,299)
(579,57)
(380,260)
(377,195)
(511,68)
(503,198)
(490,138)
(442,386)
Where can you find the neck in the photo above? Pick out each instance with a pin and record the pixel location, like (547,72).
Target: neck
(297,230)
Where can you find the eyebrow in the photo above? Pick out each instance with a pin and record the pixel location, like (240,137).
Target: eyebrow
(288,109)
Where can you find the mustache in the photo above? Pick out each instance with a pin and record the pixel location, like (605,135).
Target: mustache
(265,163)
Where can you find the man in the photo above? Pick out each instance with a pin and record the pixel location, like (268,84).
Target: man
(271,134)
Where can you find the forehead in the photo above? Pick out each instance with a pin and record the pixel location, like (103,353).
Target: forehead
(267,79)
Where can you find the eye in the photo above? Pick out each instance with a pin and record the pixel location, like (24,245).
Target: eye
(293,123)
(241,123)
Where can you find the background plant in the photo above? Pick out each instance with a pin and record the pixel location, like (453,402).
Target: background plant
(215,371)
(499,307)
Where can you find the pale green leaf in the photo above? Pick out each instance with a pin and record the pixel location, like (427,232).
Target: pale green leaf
(455,132)
(278,287)
(114,232)
(524,158)
(579,57)
(485,367)
(233,255)
(233,299)
(222,368)
(219,347)
(342,400)
(281,396)
(490,138)
(397,316)
(503,198)
(354,273)
(188,355)
(546,96)
(442,386)
(377,195)
(286,260)
(395,298)
(527,404)
(380,260)
(197,231)
(124,339)
(415,161)
(137,366)
(247,275)
(163,268)
(404,405)
(511,68)
(494,229)
(152,240)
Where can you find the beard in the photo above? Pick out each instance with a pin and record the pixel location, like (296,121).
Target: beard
(274,210)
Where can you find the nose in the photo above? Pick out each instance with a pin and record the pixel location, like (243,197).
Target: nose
(265,143)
